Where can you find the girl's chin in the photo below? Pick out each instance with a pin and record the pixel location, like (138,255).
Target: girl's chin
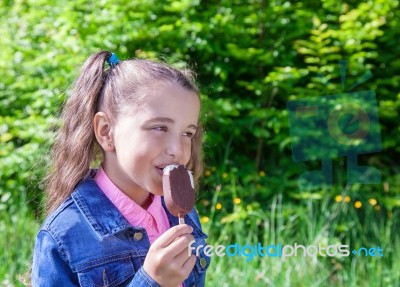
(158,191)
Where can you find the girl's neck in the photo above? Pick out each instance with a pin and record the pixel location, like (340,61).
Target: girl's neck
(140,196)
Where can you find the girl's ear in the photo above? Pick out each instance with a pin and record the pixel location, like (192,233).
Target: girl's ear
(103,131)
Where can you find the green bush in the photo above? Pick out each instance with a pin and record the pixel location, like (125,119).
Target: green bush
(251,57)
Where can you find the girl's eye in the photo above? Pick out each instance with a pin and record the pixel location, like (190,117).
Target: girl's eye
(160,128)
(188,134)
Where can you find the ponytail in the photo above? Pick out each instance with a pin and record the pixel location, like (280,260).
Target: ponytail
(73,150)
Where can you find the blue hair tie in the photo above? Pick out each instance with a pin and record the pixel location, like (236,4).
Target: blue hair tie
(112,60)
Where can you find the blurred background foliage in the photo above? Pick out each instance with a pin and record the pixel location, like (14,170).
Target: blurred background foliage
(251,57)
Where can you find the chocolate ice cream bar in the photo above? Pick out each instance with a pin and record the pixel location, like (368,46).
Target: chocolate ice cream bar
(178,189)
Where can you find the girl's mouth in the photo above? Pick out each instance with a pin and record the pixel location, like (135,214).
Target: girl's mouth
(159,170)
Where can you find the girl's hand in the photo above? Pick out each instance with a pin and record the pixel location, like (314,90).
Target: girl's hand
(168,261)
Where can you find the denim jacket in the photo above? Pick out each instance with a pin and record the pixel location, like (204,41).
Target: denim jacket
(87,242)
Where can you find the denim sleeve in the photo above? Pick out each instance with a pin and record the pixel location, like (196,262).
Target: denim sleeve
(49,268)
(142,279)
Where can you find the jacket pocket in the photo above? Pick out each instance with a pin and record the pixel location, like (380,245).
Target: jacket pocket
(107,272)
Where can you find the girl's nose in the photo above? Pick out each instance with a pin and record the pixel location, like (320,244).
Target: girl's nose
(174,148)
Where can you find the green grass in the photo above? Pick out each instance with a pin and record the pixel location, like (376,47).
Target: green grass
(306,222)
(311,222)
(18,230)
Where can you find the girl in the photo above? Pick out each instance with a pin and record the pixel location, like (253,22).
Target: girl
(110,226)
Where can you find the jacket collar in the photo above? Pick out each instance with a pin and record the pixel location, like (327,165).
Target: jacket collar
(100,213)
(105,219)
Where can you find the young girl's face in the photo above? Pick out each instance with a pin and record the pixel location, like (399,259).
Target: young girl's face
(150,136)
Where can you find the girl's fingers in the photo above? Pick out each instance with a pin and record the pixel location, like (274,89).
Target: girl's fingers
(180,245)
(183,256)
(171,234)
(189,264)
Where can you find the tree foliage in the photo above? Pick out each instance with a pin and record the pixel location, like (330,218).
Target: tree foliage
(251,57)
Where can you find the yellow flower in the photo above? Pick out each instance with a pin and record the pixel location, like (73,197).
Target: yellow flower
(372,201)
(377,207)
(224,175)
(338,198)
(357,204)
(261,173)
(205,219)
(347,199)
(218,206)
(237,200)
(207,173)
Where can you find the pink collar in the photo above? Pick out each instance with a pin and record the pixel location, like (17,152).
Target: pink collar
(154,219)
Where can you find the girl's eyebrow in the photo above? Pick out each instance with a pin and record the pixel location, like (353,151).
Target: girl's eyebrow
(167,120)
(160,119)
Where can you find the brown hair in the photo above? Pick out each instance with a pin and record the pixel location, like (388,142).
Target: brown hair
(75,147)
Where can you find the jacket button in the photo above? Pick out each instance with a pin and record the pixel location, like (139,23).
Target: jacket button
(203,262)
(138,236)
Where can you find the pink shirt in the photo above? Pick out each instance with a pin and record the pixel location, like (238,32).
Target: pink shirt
(153,219)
